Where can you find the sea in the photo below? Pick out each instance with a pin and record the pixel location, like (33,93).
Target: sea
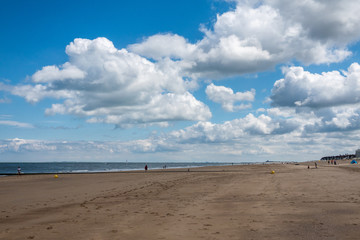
(93,167)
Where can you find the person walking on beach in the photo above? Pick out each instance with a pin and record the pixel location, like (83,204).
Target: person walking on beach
(315,165)
(19,170)
(146,167)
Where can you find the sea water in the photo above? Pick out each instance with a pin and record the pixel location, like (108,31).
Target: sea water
(83,167)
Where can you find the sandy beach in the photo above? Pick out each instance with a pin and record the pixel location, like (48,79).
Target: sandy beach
(230,202)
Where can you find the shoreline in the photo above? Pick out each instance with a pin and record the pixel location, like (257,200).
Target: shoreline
(182,169)
(90,170)
(218,164)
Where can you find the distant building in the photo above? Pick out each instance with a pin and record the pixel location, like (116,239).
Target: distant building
(343,156)
(357,153)
(340,157)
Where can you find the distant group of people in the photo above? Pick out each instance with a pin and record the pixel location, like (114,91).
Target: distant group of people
(314,164)
(333,162)
(146,167)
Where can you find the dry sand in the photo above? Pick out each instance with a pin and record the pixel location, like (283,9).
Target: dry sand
(232,202)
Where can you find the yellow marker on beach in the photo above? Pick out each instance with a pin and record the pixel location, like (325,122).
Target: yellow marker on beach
(56,176)
(272,172)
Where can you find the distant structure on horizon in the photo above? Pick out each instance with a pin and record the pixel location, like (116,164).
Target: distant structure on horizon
(357,153)
(344,156)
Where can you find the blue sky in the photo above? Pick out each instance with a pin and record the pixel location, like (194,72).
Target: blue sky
(209,80)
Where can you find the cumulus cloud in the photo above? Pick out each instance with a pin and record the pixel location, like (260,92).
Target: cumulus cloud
(53,73)
(226,97)
(20,145)
(35,93)
(330,99)
(150,82)
(164,45)
(335,119)
(300,88)
(325,20)
(276,134)
(235,129)
(273,123)
(160,109)
(114,86)
(258,35)
(149,145)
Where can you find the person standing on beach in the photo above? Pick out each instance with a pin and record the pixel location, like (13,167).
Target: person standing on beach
(315,165)
(146,167)
(19,170)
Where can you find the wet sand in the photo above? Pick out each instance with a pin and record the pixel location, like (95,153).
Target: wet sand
(231,202)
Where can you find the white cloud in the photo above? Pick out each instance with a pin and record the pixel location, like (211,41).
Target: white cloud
(150,83)
(325,20)
(165,45)
(329,101)
(301,88)
(114,86)
(226,97)
(16,124)
(258,35)
(232,130)
(161,108)
(53,73)
(276,134)
(19,145)
(272,123)
(35,93)
(335,119)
